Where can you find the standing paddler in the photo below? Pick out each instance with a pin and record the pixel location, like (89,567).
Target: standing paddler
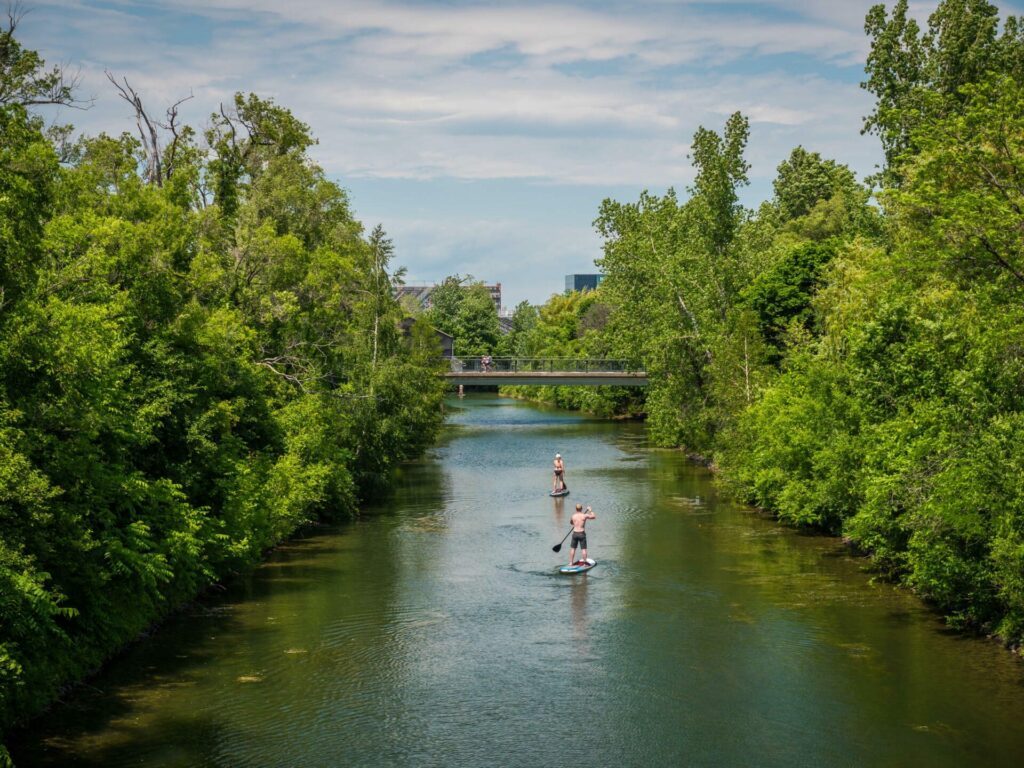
(558,483)
(579,533)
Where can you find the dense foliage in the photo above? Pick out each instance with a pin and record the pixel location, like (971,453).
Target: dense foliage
(196,356)
(463,308)
(568,326)
(856,365)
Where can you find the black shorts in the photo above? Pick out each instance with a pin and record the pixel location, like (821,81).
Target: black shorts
(579,540)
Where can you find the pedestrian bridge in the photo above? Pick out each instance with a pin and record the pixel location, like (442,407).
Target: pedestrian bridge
(548,371)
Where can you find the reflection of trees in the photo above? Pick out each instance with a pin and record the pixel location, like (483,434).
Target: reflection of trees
(784,629)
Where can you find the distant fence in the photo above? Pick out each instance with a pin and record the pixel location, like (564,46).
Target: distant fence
(544,371)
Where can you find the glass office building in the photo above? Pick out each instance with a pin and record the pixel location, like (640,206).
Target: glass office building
(579,282)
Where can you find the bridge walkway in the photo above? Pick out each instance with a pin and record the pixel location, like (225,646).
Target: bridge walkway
(547,371)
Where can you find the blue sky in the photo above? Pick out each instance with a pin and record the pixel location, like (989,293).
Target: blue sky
(484,135)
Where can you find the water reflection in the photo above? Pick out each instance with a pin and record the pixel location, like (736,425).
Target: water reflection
(578,606)
(559,509)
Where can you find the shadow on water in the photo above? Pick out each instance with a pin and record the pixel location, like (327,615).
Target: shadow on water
(164,746)
(168,660)
(116,718)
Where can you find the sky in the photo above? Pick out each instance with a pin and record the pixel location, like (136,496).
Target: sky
(484,135)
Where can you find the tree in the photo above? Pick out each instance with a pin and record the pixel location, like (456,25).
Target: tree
(464,309)
(181,384)
(804,179)
(476,325)
(445,303)
(28,175)
(964,201)
(160,162)
(524,320)
(673,273)
(917,78)
(782,295)
(24,80)
(244,139)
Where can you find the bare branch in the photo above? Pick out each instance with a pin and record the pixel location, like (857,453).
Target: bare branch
(15,13)
(24,81)
(147,129)
(172,126)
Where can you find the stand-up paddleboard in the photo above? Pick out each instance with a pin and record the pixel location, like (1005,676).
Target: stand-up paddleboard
(579,566)
(564,492)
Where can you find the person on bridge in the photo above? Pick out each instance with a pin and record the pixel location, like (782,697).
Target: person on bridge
(558,484)
(579,533)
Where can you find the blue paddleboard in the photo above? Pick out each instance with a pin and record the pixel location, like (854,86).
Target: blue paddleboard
(579,566)
(559,493)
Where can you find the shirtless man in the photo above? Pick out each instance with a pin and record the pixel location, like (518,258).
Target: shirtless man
(558,483)
(579,533)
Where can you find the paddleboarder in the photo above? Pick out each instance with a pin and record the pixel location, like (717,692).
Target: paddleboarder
(579,532)
(558,483)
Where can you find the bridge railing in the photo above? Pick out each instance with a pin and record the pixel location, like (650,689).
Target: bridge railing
(538,365)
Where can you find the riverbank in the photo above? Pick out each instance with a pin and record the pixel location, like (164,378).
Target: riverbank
(92,657)
(619,403)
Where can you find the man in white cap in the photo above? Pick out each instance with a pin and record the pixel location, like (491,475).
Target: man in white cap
(558,484)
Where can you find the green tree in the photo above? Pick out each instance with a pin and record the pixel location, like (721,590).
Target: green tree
(899,424)
(524,320)
(673,273)
(476,326)
(182,384)
(24,79)
(917,77)
(571,325)
(782,295)
(804,179)
(464,309)
(445,303)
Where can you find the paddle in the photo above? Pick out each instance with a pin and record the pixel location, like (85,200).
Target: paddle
(558,546)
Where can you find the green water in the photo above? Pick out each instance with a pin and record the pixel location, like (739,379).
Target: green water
(435,632)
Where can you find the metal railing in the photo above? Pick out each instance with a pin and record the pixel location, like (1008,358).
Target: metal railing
(539,365)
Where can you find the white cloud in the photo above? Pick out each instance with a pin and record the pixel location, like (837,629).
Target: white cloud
(392,89)
(602,95)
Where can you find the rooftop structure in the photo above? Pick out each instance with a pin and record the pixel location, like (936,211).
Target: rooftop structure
(421,294)
(418,293)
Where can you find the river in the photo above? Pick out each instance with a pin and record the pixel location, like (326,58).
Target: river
(435,631)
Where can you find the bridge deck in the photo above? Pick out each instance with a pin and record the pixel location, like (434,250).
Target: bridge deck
(549,378)
(578,372)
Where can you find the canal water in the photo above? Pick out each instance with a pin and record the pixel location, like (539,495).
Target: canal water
(435,631)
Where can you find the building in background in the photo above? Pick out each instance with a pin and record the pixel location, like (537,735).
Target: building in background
(421,294)
(445,340)
(581,282)
(495,291)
